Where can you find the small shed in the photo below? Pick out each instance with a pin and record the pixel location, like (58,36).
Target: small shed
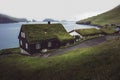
(76,35)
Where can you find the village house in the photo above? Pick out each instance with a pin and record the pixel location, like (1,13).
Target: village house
(84,33)
(34,38)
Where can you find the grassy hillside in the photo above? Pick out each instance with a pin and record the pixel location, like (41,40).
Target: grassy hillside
(110,17)
(94,63)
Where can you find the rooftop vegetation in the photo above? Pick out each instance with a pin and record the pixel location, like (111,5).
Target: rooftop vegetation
(39,32)
(108,30)
(90,31)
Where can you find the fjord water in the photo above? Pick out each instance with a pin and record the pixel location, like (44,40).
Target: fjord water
(9,32)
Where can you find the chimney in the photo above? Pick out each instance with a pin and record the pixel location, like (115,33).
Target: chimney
(48,22)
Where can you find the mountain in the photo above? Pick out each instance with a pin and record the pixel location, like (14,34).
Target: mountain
(63,20)
(109,17)
(33,20)
(21,19)
(9,19)
(51,20)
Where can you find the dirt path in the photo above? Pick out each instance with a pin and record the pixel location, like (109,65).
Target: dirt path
(84,44)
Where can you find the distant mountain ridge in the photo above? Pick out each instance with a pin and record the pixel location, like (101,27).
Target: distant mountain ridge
(49,19)
(109,17)
(9,19)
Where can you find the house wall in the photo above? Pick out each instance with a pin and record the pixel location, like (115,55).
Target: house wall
(44,45)
(23,51)
(23,46)
(22,38)
(66,42)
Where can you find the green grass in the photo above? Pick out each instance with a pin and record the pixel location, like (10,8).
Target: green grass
(90,31)
(100,62)
(93,31)
(110,17)
(40,32)
(9,51)
(108,30)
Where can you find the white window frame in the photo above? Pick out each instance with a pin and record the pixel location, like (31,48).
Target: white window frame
(26,45)
(49,44)
(38,46)
(21,42)
(22,34)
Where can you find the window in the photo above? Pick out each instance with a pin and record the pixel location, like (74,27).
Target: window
(21,42)
(23,34)
(38,46)
(49,44)
(26,45)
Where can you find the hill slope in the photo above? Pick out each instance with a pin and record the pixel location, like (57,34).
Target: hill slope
(94,63)
(9,19)
(110,17)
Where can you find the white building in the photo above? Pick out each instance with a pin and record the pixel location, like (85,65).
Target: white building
(76,35)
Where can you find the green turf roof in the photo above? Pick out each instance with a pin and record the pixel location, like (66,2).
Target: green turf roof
(90,31)
(39,32)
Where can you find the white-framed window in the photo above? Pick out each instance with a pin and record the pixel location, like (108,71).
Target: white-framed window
(38,46)
(23,34)
(49,44)
(21,42)
(26,45)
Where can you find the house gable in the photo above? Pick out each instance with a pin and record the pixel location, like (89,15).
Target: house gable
(74,33)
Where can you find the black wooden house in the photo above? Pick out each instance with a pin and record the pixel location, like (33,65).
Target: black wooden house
(33,38)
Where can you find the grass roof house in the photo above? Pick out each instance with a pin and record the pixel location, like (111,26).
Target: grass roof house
(82,33)
(88,32)
(33,38)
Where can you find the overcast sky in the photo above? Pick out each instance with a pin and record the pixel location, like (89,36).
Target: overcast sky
(56,9)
